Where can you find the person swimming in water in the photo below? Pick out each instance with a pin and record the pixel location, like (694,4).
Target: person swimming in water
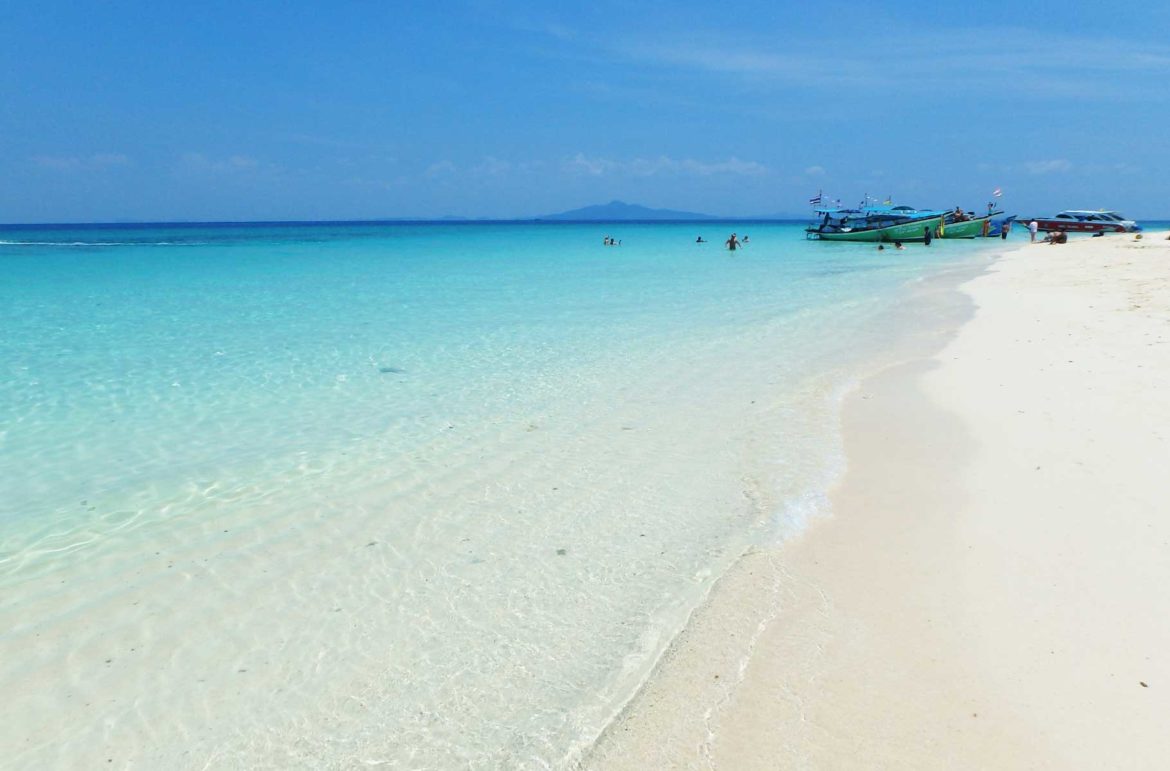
(732,243)
(700,240)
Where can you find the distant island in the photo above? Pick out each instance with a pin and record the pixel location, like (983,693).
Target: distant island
(618,211)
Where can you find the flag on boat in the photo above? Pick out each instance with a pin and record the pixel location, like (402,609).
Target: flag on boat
(816,199)
(997,192)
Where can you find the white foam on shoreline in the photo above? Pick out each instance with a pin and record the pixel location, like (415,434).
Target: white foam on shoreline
(722,632)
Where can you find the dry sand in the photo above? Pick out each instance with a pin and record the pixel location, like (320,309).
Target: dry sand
(992,589)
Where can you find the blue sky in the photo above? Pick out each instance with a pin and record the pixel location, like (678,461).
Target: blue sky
(238,111)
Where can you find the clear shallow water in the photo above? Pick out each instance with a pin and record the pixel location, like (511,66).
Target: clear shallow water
(423,495)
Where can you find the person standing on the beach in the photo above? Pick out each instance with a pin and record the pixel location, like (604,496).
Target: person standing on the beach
(1033,226)
(1007,228)
(732,243)
(926,236)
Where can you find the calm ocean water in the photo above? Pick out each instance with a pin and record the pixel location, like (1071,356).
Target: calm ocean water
(416,494)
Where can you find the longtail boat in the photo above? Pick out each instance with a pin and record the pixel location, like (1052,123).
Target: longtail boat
(970,227)
(998,224)
(874,223)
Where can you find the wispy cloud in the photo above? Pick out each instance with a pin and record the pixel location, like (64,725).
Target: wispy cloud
(95,162)
(662,165)
(233,164)
(314,140)
(378,184)
(492,167)
(552,28)
(1003,60)
(104,160)
(440,169)
(1054,166)
(558,31)
(1057,166)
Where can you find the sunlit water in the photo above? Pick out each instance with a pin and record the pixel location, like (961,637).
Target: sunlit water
(413,495)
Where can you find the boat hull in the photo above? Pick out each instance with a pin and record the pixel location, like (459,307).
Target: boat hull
(1072,226)
(967,229)
(998,224)
(906,231)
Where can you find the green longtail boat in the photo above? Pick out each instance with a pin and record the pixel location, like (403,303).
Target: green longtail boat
(969,228)
(907,231)
(875,224)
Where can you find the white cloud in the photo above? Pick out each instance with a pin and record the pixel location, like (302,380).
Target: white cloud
(579,164)
(662,165)
(815,171)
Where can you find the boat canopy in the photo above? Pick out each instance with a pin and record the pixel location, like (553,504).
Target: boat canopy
(837,210)
(879,212)
(1090,216)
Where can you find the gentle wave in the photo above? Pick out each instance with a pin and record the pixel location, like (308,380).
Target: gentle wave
(510,535)
(103,243)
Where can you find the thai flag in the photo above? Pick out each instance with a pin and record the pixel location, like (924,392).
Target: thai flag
(997,192)
(816,199)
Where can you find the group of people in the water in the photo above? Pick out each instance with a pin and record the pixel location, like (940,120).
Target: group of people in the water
(732,243)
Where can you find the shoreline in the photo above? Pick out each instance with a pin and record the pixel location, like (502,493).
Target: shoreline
(960,608)
(723,631)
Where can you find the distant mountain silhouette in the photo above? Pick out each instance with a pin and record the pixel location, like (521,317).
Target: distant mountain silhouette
(617,210)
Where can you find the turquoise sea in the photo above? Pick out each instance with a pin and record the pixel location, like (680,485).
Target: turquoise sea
(421,495)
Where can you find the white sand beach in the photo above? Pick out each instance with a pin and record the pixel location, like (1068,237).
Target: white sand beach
(992,587)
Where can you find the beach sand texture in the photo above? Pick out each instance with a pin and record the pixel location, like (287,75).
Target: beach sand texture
(993,586)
